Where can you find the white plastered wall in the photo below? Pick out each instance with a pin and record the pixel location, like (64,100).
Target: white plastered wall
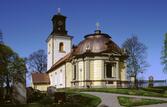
(81,72)
(57,77)
(67,47)
(53,53)
(98,71)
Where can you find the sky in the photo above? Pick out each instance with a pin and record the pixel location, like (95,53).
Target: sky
(27,23)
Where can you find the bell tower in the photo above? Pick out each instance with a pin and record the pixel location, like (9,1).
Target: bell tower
(59,43)
(59,24)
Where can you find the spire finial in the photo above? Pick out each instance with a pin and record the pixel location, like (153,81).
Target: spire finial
(97,31)
(58,11)
(97,25)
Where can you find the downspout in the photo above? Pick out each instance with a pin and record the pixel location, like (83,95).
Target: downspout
(65,76)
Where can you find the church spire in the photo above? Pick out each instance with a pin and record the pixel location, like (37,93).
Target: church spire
(59,24)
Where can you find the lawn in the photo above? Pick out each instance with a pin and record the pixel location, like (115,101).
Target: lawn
(92,101)
(73,100)
(154,92)
(130,102)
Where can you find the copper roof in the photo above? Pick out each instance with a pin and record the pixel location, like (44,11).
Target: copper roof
(40,78)
(97,43)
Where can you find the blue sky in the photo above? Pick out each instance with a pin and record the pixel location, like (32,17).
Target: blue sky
(27,23)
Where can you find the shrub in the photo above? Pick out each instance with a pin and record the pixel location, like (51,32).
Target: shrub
(46,100)
(60,97)
(34,95)
(1,95)
(157,90)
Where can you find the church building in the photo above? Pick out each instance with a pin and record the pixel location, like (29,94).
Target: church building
(95,62)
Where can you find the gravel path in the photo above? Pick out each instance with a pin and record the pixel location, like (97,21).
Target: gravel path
(110,99)
(107,99)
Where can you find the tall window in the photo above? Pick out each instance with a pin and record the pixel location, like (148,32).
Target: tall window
(75,71)
(56,79)
(108,70)
(61,78)
(61,47)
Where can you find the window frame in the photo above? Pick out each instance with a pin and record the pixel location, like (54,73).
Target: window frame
(61,47)
(75,72)
(107,74)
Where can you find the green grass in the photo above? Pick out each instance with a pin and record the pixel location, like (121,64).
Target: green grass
(127,91)
(161,87)
(92,101)
(39,105)
(75,100)
(130,102)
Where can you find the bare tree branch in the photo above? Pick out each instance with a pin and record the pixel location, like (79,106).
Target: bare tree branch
(136,61)
(37,61)
(164,54)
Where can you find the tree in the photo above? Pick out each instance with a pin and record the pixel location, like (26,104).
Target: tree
(5,54)
(1,37)
(12,67)
(136,62)
(164,54)
(37,61)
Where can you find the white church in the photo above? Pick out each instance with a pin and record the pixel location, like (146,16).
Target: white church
(96,61)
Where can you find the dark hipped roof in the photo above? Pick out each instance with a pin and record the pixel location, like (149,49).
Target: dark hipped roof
(40,78)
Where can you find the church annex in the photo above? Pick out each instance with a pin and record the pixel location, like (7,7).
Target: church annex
(95,62)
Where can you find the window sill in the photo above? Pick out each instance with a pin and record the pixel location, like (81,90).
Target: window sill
(112,78)
(62,51)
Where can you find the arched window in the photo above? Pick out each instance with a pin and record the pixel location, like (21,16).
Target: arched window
(61,47)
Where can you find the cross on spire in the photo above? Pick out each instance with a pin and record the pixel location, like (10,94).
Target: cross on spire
(97,25)
(58,10)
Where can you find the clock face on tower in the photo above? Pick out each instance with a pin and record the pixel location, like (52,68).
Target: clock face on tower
(59,26)
(60,23)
